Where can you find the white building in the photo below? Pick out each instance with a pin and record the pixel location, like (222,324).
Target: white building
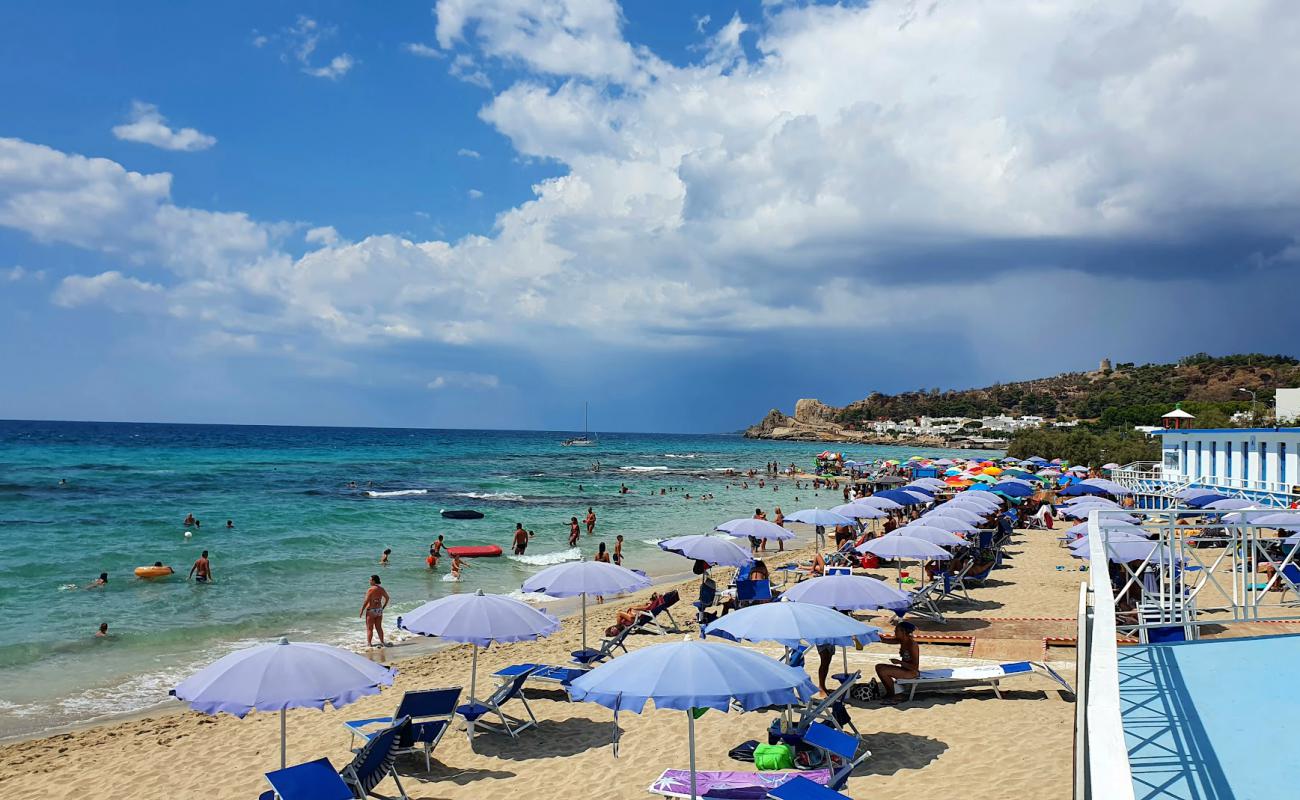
(1288,406)
(1248,461)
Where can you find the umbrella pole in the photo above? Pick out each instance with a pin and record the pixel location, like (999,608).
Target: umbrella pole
(283,755)
(690,738)
(845,650)
(584,620)
(473,674)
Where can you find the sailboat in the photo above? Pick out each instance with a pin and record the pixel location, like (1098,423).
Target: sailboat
(583,440)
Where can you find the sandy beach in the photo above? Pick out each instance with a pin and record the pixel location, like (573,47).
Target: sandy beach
(936,743)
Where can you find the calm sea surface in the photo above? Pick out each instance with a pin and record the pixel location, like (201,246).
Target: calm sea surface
(305,541)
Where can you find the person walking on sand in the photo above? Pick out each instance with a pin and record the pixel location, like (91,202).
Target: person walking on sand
(591,521)
(520,543)
(201,572)
(618,550)
(372,611)
(574,531)
(779,519)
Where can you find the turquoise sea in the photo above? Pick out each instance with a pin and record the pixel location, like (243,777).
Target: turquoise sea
(79,498)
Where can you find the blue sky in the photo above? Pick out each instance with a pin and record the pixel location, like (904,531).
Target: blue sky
(480,214)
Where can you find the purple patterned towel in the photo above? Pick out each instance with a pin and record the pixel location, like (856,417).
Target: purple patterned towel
(729,785)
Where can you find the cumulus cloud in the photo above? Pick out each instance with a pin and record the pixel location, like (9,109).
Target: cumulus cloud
(866,167)
(300,43)
(467,69)
(337,67)
(423,50)
(113,289)
(465,152)
(464,380)
(148,126)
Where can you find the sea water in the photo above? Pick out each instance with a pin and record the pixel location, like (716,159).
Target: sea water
(313,509)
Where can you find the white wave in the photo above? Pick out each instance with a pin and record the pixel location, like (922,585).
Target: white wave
(531,597)
(516,498)
(397,493)
(651,542)
(547,559)
(643,469)
(449,578)
(681,455)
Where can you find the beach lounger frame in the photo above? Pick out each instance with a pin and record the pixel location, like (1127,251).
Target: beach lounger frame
(376,760)
(543,673)
(923,602)
(606,650)
(989,675)
(431,712)
(473,713)
(649,622)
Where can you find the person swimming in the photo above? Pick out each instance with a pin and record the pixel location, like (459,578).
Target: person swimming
(383,559)
(99,582)
(102,633)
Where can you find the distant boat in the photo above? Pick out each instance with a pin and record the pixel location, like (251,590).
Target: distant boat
(583,440)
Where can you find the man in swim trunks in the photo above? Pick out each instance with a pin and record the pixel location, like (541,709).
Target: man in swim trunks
(521,539)
(618,550)
(201,572)
(591,521)
(435,550)
(372,611)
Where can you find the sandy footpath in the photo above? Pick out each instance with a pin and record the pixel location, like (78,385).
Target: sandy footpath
(939,745)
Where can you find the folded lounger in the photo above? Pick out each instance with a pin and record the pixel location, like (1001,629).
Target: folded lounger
(431,712)
(371,764)
(988,675)
(314,780)
(841,751)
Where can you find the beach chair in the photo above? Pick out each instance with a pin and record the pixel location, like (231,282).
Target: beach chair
(1288,578)
(652,621)
(512,689)
(794,656)
(376,760)
(708,599)
(990,675)
(749,593)
(605,651)
(952,584)
(923,602)
(829,710)
(840,749)
(543,673)
(800,788)
(844,556)
(839,570)
(430,712)
(314,780)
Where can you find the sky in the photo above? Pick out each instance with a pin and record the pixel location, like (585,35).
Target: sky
(483,213)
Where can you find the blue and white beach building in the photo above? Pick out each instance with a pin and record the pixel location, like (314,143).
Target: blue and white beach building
(1259,464)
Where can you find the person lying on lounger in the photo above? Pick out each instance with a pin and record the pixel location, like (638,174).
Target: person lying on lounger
(907,665)
(629,615)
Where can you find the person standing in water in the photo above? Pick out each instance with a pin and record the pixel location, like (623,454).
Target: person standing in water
(383,560)
(602,555)
(201,572)
(574,531)
(591,521)
(372,611)
(103,631)
(521,539)
(435,550)
(618,550)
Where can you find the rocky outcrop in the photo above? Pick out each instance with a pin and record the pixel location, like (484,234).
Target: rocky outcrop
(809,411)
(814,421)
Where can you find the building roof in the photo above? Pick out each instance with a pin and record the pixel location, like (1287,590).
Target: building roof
(1177,413)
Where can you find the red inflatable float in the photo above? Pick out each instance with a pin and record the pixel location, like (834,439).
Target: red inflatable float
(475,551)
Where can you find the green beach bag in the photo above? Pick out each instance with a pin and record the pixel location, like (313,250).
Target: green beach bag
(773,757)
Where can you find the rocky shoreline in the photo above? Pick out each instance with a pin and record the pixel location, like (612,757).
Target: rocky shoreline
(814,421)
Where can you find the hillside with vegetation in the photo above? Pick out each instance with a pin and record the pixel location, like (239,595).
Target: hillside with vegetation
(1106,403)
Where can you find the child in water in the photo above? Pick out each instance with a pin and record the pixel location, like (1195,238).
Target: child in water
(456,566)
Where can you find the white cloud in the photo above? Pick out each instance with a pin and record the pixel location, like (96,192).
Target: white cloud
(474,194)
(809,188)
(464,380)
(324,235)
(113,289)
(149,126)
(423,50)
(18,273)
(465,152)
(465,68)
(337,67)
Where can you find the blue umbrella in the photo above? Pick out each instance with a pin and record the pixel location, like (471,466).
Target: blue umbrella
(280,676)
(689,675)
(581,578)
(817,516)
(1113,536)
(479,619)
(1230,504)
(1190,494)
(897,546)
(1082,489)
(1012,489)
(929,533)
(1278,520)
(848,593)
(757,528)
(1108,486)
(789,623)
(876,501)
(915,488)
(712,550)
(901,497)
(1201,501)
(859,511)
(1110,525)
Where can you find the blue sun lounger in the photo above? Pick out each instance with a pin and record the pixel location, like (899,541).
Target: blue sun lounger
(990,675)
(561,676)
(431,712)
(314,780)
(474,712)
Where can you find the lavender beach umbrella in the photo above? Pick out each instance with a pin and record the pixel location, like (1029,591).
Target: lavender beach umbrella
(859,511)
(929,533)
(581,578)
(903,547)
(847,593)
(689,675)
(713,550)
(789,623)
(1279,520)
(479,619)
(817,516)
(950,524)
(280,676)
(1125,552)
(1232,504)
(883,503)
(759,528)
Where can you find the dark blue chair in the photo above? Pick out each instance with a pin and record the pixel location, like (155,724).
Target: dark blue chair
(314,780)
(474,712)
(430,711)
(749,593)
(377,759)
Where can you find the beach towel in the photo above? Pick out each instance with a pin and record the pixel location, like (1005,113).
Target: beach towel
(729,785)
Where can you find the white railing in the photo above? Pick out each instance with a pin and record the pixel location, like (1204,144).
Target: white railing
(1108,774)
(1146,477)
(1081,694)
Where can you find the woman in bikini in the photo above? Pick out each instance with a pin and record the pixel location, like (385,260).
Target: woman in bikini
(907,665)
(372,611)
